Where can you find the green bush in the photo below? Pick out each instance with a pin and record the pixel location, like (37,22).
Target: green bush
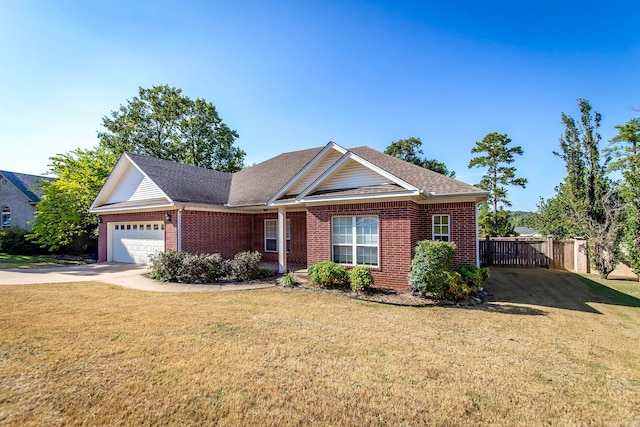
(168,266)
(219,267)
(328,274)
(246,266)
(288,280)
(473,276)
(14,241)
(430,267)
(361,278)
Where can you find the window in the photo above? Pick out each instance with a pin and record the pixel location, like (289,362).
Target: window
(441,228)
(271,235)
(355,240)
(5,217)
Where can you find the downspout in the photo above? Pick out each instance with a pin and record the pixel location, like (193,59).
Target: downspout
(180,228)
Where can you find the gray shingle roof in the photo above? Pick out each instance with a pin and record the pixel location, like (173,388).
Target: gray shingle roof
(424,179)
(28,184)
(256,185)
(184,183)
(259,183)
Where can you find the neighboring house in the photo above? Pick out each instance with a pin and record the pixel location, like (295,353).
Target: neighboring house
(526,232)
(19,195)
(357,206)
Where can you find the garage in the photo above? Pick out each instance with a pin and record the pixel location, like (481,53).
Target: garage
(135,242)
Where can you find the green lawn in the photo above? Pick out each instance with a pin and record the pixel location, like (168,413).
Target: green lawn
(26,261)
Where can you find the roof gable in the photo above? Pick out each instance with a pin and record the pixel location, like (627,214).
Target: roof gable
(29,185)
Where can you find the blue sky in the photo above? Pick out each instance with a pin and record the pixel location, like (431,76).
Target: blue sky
(290,75)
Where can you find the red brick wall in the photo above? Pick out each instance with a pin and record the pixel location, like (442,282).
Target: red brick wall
(397,225)
(216,232)
(298,254)
(401,225)
(170,233)
(462,217)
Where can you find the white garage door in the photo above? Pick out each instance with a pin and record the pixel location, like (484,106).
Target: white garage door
(135,242)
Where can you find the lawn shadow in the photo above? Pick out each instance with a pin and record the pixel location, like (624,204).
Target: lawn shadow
(552,288)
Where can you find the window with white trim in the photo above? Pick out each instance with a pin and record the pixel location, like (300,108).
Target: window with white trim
(271,235)
(355,240)
(5,217)
(441,228)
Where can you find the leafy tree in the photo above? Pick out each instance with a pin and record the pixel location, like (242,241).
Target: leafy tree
(486,222)
(62,218)
(625,151)
(163,123)
(410,150)
(497,156)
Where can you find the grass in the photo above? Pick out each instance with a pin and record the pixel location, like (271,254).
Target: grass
(75,354)
(26,261)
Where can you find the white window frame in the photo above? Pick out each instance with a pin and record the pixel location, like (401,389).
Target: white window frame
(354,242)
(440,234)
(2,216)
(275,237)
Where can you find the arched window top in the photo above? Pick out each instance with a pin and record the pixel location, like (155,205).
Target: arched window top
(5,217)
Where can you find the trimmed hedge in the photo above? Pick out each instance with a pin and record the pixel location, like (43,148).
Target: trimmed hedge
(328,274)
(183,267)
(430,272)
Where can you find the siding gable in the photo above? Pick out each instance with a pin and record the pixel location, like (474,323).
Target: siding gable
(312,174)
(352,174)
(132,185)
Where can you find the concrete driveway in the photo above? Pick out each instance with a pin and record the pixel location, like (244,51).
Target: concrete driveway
(126,275)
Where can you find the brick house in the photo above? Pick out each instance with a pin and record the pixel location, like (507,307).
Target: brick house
(356,206)
(19,195)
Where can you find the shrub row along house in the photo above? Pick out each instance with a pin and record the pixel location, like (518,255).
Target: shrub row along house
(357,206)
(19,195)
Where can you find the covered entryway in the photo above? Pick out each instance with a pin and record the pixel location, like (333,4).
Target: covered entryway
(135,242)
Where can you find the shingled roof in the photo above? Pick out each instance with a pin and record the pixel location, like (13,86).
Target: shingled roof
(184,183)
(426,180)
(257,185)
(28,184)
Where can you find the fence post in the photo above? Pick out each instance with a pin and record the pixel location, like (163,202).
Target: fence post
(488,252)
(550,251)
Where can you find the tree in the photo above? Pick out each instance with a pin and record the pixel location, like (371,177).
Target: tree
(625,151)
(486,222)
(585,203)
(163,123)
(410,150)
(62,219)
(497,158)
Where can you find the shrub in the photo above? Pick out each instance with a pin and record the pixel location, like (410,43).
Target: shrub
(473,276)
(218,267)
(328,274)
(430,266)
(14,241)
(288,280)
(361,278)
(246,266)
(167,266)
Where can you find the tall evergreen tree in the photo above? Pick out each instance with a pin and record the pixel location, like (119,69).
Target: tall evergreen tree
(585,203)
(497,158)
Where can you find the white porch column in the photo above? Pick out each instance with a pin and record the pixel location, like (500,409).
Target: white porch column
(282,239)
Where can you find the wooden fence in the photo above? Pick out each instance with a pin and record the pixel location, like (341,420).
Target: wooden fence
(521,252)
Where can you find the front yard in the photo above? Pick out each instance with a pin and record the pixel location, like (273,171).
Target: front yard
(553,348)
(27,261)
